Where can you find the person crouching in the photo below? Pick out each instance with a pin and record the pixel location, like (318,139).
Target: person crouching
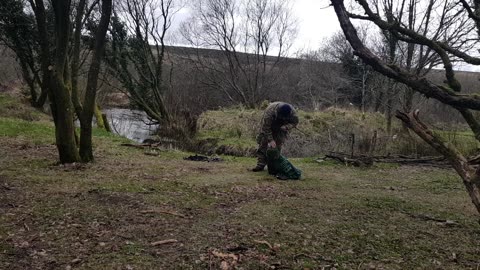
(278,119)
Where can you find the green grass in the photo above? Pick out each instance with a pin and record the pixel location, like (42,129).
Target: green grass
(464,141)
(20,120)
(235,128)
(321,132)
(36,132)
(96,216)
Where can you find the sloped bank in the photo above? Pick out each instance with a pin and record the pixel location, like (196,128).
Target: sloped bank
(232,131)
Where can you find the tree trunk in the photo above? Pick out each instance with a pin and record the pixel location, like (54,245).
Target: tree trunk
(389,113)
(472,184)
(75,63)
(99,117)
(105,122)
(86,149)
(64,124)
(379,101)
(409,94)
(62,101)
(45,83)
(469,175)
(42,99)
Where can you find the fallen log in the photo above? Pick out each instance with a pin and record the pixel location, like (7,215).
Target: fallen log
(360,161)
(432,160)
(141,145)
(203,158)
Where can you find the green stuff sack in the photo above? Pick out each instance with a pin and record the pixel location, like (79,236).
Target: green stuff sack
(279,166)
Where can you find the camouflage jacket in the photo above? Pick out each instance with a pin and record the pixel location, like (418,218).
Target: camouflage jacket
(271,123)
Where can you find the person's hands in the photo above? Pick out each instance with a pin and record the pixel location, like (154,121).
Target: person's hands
(272,144)
(284,128)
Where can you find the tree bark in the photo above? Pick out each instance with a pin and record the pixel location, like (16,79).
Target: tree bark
(45,59)
(75,66)
(99,117)
(105,122)
(408,99)
(378,102)
(63,107)
(86,149)
(471,121)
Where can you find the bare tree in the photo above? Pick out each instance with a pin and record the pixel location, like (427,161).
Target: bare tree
(56,73)
(86,23)
(357,87)
(464,16)
(89,103)
(253,36)
(136,57)
(321,81)
(429,18)
(18,33)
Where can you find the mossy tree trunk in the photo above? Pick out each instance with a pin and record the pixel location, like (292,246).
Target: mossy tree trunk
(62,101)
(99,116)
(89,105)
(61,79)
(64,123)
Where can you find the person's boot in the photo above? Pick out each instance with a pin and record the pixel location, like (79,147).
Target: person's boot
(258,168)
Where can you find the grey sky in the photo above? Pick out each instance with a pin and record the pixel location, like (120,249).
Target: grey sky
(316,21)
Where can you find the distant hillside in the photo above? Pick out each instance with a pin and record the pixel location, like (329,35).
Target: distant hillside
(188,52)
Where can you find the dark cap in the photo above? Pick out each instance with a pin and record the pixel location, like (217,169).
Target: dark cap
(285,110)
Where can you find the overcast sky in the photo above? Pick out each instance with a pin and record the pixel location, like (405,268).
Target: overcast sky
(316,21)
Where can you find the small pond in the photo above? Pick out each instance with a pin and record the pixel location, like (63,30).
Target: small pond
(132,124)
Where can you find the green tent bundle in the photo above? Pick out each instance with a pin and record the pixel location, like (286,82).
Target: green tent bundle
(279,166)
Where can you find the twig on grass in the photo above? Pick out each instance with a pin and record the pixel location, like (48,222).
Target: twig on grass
(163,242)
(264,242)
(159,211)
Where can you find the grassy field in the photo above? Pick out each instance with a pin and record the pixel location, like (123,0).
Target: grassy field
(324,131)
(114,213)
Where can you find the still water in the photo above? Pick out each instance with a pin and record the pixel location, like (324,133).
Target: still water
(131,124)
